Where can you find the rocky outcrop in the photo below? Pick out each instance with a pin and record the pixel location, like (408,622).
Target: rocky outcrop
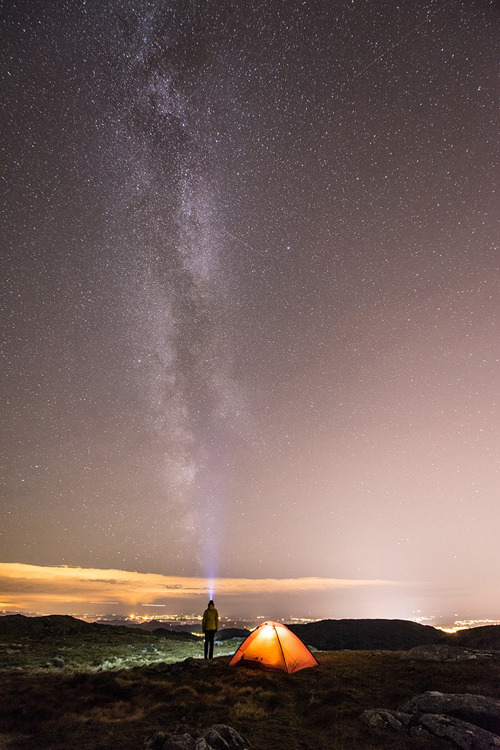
(380,718)
(476,709)
(440,652)
(444,730)
(458,734)
(459,721)
(216,737)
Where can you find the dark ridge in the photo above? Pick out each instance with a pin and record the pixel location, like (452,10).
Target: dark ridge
(148,625)
(152,625)
(385,635)
(49,626)
(227,633)
(182,635)
(121,624)
(19,625)
(484,637)
(325,635)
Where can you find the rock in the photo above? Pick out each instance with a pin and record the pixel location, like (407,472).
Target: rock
(57,661)
(461,734)
(216,737)
(232,737)
(438,652)
(379,718)
(178,742)
(475,709)
(214,740)
(190,662)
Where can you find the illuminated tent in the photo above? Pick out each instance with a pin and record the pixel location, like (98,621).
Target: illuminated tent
(273,646)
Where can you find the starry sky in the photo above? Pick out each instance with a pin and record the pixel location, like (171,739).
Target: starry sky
(249,299)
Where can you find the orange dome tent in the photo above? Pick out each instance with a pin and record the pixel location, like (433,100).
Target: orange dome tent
(273,646)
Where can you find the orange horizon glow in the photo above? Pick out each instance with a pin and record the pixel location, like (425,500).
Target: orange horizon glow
(24,586)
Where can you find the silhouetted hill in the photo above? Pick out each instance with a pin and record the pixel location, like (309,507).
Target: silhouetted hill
(20,625)
(387,635)
(49,626)
(485,637)
(168,632)
(152,625)
(226,634)
(327,635)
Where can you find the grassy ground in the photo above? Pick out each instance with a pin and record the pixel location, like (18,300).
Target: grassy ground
(108,649)
(316,709)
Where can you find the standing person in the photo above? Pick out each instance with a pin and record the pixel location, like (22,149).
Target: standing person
(210,626)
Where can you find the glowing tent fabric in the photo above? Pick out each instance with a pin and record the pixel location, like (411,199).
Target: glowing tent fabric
(273,646)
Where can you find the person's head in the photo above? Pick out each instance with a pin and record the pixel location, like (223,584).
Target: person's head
(211,603)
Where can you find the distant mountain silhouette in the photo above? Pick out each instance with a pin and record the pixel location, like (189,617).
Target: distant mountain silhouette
(386,635)
(49,626)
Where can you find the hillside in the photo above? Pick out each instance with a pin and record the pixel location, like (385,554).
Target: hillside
(49,626)
(387,635)
(485,637)
(34,643)
(20,625)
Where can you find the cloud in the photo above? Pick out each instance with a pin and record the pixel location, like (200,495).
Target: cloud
(25,586)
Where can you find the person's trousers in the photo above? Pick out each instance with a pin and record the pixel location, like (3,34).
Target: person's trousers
(209,643)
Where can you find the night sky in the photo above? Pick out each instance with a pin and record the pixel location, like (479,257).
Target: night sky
(249,297)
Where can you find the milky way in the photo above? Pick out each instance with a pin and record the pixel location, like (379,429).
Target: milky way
(250,290)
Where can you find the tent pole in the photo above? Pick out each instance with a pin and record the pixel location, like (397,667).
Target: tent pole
(281,649)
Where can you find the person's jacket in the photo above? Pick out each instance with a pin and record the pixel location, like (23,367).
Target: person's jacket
(210,619)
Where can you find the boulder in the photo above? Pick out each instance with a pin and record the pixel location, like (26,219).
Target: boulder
(216,737)
(439,652)
(380,718)
(178,742)
(461,721)
(459,734)
(233,738)
(214,740)
(475,709)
